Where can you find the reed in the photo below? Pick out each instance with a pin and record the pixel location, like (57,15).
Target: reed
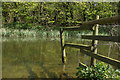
(6,32)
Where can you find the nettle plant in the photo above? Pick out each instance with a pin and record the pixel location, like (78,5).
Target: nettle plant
(99,71)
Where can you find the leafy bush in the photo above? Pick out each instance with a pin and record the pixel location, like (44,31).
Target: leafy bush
(99,71)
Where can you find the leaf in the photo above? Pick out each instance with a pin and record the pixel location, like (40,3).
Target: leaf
(77,73)
(78,68)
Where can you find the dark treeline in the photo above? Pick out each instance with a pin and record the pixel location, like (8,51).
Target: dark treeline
(27,15)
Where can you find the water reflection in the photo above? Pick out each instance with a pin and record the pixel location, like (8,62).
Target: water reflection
(41,57)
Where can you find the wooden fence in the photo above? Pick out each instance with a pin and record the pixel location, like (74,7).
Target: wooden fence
(91,50)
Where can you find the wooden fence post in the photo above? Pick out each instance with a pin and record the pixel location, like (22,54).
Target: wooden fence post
(94,42)
(119,18)
(62,46)
(119,28)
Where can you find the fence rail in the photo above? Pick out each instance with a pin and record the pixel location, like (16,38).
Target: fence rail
(102,38)
(83,65)
(79,46)
(89,25)
(102,58)
(91,50)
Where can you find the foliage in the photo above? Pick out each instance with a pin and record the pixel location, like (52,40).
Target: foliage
(40,31)
(99,71)
(28,33)
(26,15)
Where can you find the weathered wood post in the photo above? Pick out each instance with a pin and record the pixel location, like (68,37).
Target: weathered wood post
(119,18)
(119,27)
(94,42)
(62,46)
(119,9)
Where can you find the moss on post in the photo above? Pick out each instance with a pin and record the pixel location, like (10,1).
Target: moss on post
(94,42)
(62,46)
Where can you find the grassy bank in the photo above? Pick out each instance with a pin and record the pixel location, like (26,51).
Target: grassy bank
(41,33)
(28,33)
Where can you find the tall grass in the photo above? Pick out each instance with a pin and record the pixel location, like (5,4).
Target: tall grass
(28,33)
(41,33)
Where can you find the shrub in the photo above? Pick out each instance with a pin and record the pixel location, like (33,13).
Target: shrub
(99,71)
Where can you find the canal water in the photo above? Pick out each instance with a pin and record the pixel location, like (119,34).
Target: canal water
(41,57)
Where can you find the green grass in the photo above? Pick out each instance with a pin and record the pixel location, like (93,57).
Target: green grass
(28,33)
(8,32)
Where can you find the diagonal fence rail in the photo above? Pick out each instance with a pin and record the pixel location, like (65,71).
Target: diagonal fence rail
(89,25)
(91,50)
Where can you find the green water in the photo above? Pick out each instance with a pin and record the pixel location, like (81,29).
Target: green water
(41,57)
